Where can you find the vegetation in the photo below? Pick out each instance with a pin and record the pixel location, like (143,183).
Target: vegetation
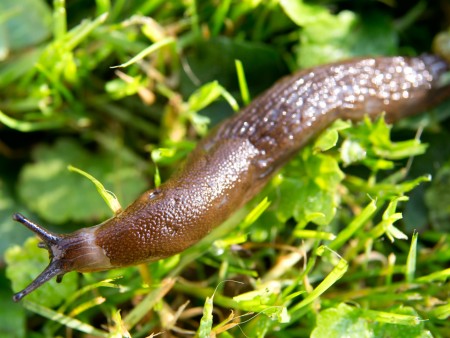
(352,237)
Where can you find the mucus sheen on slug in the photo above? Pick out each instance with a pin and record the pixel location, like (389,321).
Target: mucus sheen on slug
(236,160)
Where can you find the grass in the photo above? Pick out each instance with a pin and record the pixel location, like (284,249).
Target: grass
(351,237)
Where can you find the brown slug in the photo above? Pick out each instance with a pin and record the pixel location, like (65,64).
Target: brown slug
(236,160)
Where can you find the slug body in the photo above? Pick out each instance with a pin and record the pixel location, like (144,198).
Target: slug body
(235,161)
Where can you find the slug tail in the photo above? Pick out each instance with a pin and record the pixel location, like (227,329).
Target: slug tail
(50,242)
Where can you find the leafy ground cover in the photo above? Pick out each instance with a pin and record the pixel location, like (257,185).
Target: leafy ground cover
(350,238)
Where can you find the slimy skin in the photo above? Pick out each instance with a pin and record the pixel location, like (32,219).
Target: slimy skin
(232,164)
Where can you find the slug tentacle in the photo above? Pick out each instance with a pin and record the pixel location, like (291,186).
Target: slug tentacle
(50,242)
(47,237)
(72,252)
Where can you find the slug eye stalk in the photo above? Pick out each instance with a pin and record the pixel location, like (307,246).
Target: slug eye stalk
(50,242)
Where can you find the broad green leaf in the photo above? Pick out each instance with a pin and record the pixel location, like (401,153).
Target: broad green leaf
(10,231)
(341,321)
(328,37)
(13,316)
(58,195)
(22,24)
(344,320)
(305,14)
(309,193)
(330,137)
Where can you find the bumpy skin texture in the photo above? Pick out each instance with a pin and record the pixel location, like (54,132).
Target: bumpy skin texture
(236,160)
(232,165)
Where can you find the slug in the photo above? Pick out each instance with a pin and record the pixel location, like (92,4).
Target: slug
(237,159)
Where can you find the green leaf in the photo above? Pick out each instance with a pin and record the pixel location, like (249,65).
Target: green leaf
(384,190)
(242,82)
(437,199)
(314,234)
(62,319)
(356,224)
(10,232)
(326,37)
(202,98)
(398,323)
(305,14)
(13,316)
(58,195)
(264,300)
(119,88)
(260,299)
(379,135)
(205,327)
(205,95)
(147,51)
(330,137)
(107,196)
(440,276)
(323,35)
(309,193)
(24,24)
(344,320)
(341,321)
(12,69)
(255,213)
(441,312)
(390,216)
(338,271)
(25,263)
(351,152)
(324,41)
(386,226)
(370,144)
(28,126)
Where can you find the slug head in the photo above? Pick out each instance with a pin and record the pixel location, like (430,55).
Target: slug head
(51,242)
(77,251)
